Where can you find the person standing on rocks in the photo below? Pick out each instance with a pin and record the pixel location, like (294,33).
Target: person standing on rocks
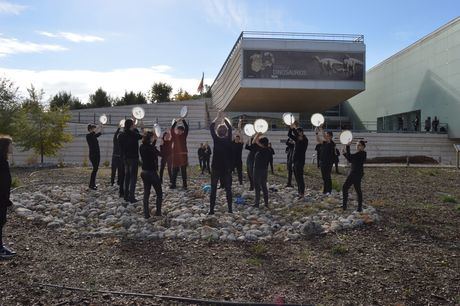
(289,160)
(201,157)
(149,175)
(357,161)
(179,152)
(252,148)
(118,167)
(129,147)
(6,148)
(165,152)
(237,153)
(301,144)
(222,162)
(261,162)
(327,154)
(207,157)
(336,158)
(94,152)
(271,156)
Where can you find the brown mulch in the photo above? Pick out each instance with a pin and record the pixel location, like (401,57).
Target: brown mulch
(412,257)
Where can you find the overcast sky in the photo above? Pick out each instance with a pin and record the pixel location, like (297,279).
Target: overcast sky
(80,45)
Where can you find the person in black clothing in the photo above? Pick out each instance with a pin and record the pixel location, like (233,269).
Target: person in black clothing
(271,156)
(252,147)
(149,155)
(261,162)
(165,150)
(336,158)
(237,153)
(318,152)
(6,148)
(416,123)
(206,158)
(94,152)
(301,144)
(356,174)
(326,157)
(222,162)
(435,124)
(117,164)
(129,148)
(201,157)
(289,161)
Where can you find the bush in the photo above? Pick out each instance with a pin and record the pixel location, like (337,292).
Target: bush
(85,162)
(448,199)
(339,249)
(15,182)
(336,186)
(106,163)
(259,250)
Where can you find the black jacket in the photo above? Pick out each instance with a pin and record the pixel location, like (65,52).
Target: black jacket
(116,145)
(327,153)
(5,183)
(93,143)
(222,157)
(357,161)
(300,147)
(129,144)
(149,156)
(262,158)
(237,152)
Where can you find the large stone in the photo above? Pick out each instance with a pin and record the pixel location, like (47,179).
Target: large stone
(23,212)
(311,229)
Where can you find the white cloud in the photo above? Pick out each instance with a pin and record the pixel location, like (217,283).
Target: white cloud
(11,8)
(73,37)
(161,68)
(82,83)
(14,46)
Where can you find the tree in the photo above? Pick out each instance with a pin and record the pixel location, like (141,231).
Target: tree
(99,99)
(206,93)
(160,92)
(38,129)
(131,99)
(182,95)
(65,99)
(9,104)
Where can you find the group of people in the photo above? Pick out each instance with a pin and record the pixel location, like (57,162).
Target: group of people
(430,125)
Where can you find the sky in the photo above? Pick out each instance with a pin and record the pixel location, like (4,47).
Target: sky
(81,45)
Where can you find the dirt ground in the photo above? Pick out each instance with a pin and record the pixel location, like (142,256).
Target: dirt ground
(412,257)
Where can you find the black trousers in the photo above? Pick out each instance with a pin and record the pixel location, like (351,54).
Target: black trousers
(355,180)
(201,161)
(151,178)
(2,222)
(238,166)
(326,169)
(165,164)
(250,166)
(95,160)
(260,183)
(183,172)
(271,164)
(117,165)
(298,173)
(131,169)
(206,165)
(289,166)
(224,176)
(336,164)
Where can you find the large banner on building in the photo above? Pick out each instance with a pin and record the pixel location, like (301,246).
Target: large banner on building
(303,65)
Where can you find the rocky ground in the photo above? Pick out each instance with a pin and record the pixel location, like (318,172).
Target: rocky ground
(403,249)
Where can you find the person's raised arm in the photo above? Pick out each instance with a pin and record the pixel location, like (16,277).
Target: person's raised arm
(185,127)
(229,129)
(212,129)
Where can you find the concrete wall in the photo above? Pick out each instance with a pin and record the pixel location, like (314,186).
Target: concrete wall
(437,146)
(425,76)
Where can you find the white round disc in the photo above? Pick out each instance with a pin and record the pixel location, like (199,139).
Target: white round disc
(103,119)
(122,123)
(183,111)
(249,129)
(346,137)
(288,118)
(261,126)
(157,129)
(138,112)
(317,119)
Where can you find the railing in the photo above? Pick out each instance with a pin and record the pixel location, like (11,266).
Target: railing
(304,36)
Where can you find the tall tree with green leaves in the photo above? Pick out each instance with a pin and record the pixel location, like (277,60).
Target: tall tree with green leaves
(100,98)
(9,104)
(182,95)
(38,129)
(65,99)
(160,92)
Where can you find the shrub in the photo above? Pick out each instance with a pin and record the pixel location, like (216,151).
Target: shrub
(85,162)
(259,250)
(336,185)
(339,249)
(15,182)
(106,163)
(448,199)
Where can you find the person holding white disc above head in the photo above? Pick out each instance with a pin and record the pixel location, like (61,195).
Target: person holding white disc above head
(357,161)
(179,151)
(237,152)
(222,162)
(252,148)
(327,153)
(261,162)
(118,168)
(94,152)
(298,157)
(166,154)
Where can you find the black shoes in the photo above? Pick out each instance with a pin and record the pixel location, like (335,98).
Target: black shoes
(6,253)
(93,187)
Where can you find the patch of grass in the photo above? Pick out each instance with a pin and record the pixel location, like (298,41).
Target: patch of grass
(448,199)
(15,182)
(429,172)
(106,163)
(298,212)
(259,250)
(305,256)
(458,207)
(339,249)
(336,186)
(85,163)
(254,261)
